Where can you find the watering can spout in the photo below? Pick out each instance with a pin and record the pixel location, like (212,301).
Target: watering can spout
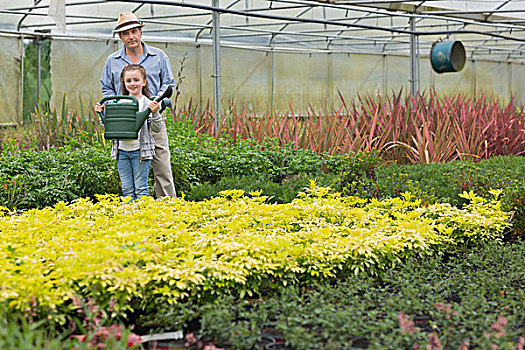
(142,116)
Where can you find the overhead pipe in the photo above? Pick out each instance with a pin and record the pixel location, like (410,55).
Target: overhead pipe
(19,24)
(319,21)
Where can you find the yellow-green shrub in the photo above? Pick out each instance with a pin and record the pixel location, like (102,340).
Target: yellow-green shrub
(170,249)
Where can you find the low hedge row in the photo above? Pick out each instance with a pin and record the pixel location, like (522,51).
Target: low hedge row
(443,183)
(203,167)
(160,252)
(199,159)
(36,179)
(470,299)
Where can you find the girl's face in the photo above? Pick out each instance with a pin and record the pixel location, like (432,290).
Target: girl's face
(134,82)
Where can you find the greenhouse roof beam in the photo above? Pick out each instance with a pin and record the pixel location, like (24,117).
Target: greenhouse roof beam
(260,9)
(319,34)
(245,14)
(320,21)
(96,19)
(36,6)
(404,6)
(407,14)
(420,26)
(501,28)
(82,3)
(475,15)
(343,30)
(19,25)
(483,14)
(287,24)
(496,26)
(211,20)
(498,8)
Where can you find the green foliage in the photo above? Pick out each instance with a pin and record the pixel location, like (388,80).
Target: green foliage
(198,159)
(445,182)
(21,331)
(514,201)
(473,297)
(15,138)
(357,173)
(232,323)
(56,128)
(169,250)
(31,179)
(185,144)
(362,174)
(203,166)
(396,184)
(505,173)
(278,192)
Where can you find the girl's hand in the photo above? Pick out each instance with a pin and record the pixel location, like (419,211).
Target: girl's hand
(154,106)
(99,108)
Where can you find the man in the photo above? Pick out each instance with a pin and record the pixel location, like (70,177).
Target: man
(159,77)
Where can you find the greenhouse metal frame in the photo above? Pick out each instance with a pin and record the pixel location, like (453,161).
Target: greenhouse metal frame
(491,31)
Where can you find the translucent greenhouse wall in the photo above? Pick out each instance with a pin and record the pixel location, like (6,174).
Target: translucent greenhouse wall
(258,81)
(10,84)
(76,67)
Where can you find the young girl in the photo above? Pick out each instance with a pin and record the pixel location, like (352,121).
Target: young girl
(134,156)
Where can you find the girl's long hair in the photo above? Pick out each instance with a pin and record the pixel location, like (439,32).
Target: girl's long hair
(134,67)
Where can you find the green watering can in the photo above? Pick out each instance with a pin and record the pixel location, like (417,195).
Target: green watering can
(123,120)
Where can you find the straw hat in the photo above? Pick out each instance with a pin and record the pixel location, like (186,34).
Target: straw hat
(127,20)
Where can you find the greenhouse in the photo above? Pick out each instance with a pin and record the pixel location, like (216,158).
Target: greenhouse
(262,175)
(264,55)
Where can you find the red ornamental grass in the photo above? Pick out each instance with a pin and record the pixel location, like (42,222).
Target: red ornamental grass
(425,128)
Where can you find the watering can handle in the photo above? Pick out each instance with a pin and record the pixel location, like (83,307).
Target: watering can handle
(118,97)
(165,94)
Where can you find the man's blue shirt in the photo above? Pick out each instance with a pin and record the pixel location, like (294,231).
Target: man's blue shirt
(155,62)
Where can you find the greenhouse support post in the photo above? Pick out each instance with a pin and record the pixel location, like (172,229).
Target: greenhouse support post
(271,79)
(216,65)
(22,54)
(39,68)
(413,87)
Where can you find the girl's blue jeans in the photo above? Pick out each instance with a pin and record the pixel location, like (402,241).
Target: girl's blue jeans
(133,174)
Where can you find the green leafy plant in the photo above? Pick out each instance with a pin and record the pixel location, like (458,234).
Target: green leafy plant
(32,179)
(172,249)
(471,299)
(59,128)
(357,174)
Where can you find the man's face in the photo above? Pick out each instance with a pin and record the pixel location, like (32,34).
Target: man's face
(131,37)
